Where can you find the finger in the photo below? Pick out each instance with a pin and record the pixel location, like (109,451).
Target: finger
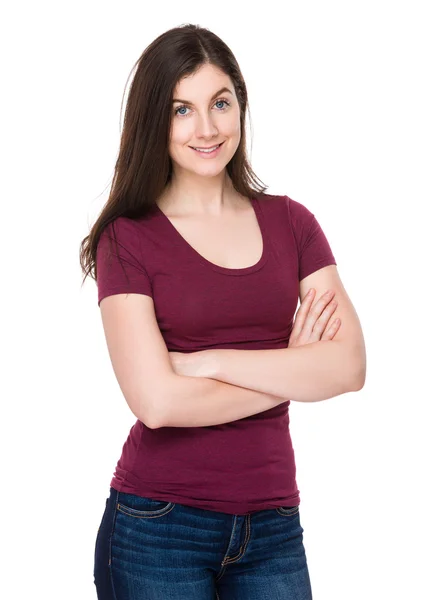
(332,331)
(305,330)
(323,321)
(334,328)
(317,310)
(302,313)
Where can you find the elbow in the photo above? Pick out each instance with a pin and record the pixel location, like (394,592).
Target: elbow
(147,413)
(356,362)
(361,381)
(358,379)
(159,403)
(151,419)
(154,414)
(358,384)
(155,422)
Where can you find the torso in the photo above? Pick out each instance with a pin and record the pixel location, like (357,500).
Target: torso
(233,240)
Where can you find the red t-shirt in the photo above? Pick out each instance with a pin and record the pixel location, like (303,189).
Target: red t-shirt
(246,465)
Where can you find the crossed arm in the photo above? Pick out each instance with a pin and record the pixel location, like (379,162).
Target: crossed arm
(308,373)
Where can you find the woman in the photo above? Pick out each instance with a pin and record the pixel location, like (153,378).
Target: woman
(199,272)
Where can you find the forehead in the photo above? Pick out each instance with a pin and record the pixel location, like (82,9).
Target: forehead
(203,84)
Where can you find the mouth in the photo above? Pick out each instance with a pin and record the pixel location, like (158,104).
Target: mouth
(207,152)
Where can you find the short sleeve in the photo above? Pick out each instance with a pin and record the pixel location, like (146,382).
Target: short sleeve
(119,261)
(314,251)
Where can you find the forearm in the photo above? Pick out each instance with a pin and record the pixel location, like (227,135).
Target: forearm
(199,401)
(308,373)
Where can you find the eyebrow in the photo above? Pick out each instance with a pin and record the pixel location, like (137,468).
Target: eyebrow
(224,89)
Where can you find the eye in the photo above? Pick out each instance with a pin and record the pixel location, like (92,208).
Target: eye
(184,107)
(176,112)
(222,102)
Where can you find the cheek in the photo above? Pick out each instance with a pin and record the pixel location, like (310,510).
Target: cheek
(231,128)
(180,133)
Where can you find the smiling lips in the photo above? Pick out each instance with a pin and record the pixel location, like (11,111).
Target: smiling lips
(211,151)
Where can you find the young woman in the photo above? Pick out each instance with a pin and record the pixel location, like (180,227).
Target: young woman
(199,273)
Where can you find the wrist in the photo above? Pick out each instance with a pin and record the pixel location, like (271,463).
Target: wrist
(207,364)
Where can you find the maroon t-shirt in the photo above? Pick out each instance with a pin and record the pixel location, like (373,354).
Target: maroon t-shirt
(246,465)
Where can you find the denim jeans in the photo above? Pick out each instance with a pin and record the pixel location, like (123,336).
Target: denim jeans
(154,550)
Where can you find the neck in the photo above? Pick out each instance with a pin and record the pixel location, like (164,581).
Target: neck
(196,195)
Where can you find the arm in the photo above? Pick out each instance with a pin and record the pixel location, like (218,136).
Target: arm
(155,394)
(198,402)
(307,373)
(139,355)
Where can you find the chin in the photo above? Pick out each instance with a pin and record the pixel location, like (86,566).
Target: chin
(207,172)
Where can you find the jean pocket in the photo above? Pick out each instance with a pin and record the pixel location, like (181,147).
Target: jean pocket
(142,507)
(288,511)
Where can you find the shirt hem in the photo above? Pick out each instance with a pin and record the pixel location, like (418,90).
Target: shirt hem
(223,506)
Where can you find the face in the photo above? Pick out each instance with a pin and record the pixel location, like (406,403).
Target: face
(203,118)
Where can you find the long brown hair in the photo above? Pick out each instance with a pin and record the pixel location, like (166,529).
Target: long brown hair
(143,167)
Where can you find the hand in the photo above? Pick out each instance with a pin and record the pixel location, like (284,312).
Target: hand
(310,325)
(194,364)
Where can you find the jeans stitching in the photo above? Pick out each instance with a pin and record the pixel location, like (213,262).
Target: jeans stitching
(242,549)
(223,563)
(110,546)
(122,508)
(294,511)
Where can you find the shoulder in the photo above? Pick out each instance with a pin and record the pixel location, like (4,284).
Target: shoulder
(280,201)
(125,232)
(294,211)
(120,239)
(121,227)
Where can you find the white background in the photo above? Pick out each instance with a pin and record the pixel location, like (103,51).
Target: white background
(336,92)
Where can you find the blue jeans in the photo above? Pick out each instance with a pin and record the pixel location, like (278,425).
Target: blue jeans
(154,550)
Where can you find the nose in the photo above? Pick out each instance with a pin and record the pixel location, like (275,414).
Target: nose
(205,126)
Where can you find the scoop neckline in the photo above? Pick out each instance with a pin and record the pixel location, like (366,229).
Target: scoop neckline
(218,268)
